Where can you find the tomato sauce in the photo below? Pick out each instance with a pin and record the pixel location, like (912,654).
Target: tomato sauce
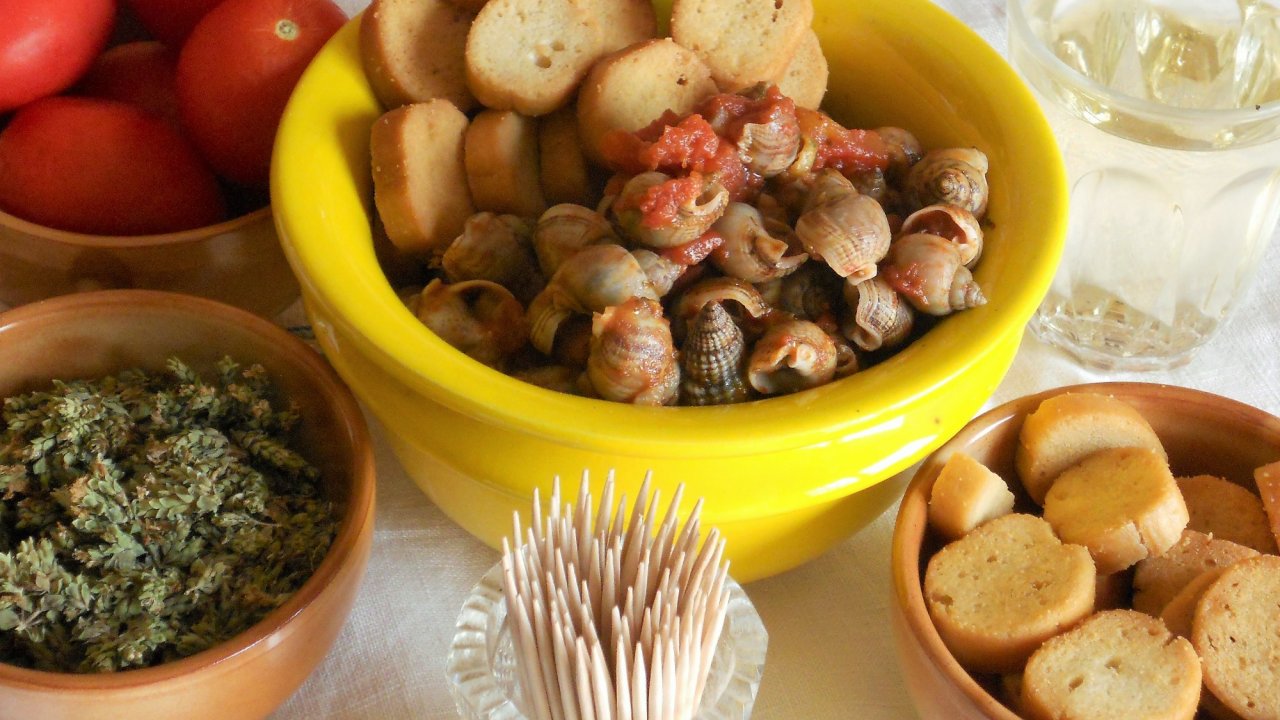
(729,113)
(848,150)
(703,144)
(660,204)
(696,250)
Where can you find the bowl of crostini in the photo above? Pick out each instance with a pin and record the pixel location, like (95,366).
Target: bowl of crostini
(779,280)
(1096,551)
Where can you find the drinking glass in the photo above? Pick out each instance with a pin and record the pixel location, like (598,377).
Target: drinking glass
(1168,116)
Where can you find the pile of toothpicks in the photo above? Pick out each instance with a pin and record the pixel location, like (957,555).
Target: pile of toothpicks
(612,618)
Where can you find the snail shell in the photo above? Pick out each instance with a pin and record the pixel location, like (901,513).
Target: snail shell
(904,149)
(741,299)
(812,293)
(713,360)
(792,355)
(952,176)
(595,278)
(693,216)
(560,378)
(825,186)
(633,359)
(951,222)
(661,270)
(497,248)
(769,148)
(479,317)
(872,183)
(565,229)
(881,317)
(848,231)
(928,272)
(755,249)
(847,361)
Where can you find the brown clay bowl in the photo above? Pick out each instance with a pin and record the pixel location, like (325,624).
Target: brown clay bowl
(238,261)
(99,333)
(1202,433)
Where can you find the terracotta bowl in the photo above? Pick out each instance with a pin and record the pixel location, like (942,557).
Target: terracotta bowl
(1202,433)
(238,261)
(99,333)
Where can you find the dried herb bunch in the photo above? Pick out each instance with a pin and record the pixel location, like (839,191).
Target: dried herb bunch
(147,516)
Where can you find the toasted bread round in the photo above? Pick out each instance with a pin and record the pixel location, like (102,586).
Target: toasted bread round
(1268,479)
(530,56)
(743,42)
(631,88)
(623,22)
(1121,503)
(1158,579)
(1178,613)
(1066,428)
(1227,511)
(419,177)
(804,80)
(502,163)
(965,495)
(998,592)
(562,166)
(1236,630)
(1116,664)
(413,51)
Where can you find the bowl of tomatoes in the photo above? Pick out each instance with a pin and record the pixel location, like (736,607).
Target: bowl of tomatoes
(135,144)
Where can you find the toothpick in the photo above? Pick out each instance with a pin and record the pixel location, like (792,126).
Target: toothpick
(614,615)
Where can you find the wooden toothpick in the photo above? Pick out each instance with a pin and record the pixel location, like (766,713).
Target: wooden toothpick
(614,615)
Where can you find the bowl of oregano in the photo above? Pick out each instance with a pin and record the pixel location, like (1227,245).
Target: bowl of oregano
(186,508)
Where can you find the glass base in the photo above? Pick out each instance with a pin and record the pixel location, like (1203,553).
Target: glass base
(485,683)
(1088,346)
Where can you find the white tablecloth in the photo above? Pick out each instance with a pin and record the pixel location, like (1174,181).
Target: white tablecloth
(831,653)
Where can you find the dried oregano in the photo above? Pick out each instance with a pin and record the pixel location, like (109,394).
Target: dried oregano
(147,516)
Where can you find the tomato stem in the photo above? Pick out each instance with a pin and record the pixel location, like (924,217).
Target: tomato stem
(287,29)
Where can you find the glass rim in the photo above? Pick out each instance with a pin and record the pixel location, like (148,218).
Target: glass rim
(1021,28)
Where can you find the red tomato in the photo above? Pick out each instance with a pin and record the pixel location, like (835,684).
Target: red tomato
(143,74)
(103,167)
(45,46)
(170,21)
(235,74)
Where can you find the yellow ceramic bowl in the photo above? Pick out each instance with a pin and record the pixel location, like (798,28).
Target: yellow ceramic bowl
(783,478)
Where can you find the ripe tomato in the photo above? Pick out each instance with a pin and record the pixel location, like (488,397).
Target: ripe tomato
(45,46)
(141,73)
(170,21)
(103,167)
(235,74)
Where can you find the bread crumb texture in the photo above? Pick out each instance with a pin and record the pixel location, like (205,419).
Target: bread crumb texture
(1236,630)
(1227,511)
(1067,428)
(413,51)
(1157,580)
(1121,503)
(1116,664)
(743,42)
(997,593)
(528,56)
(965,495)
(1267,478)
